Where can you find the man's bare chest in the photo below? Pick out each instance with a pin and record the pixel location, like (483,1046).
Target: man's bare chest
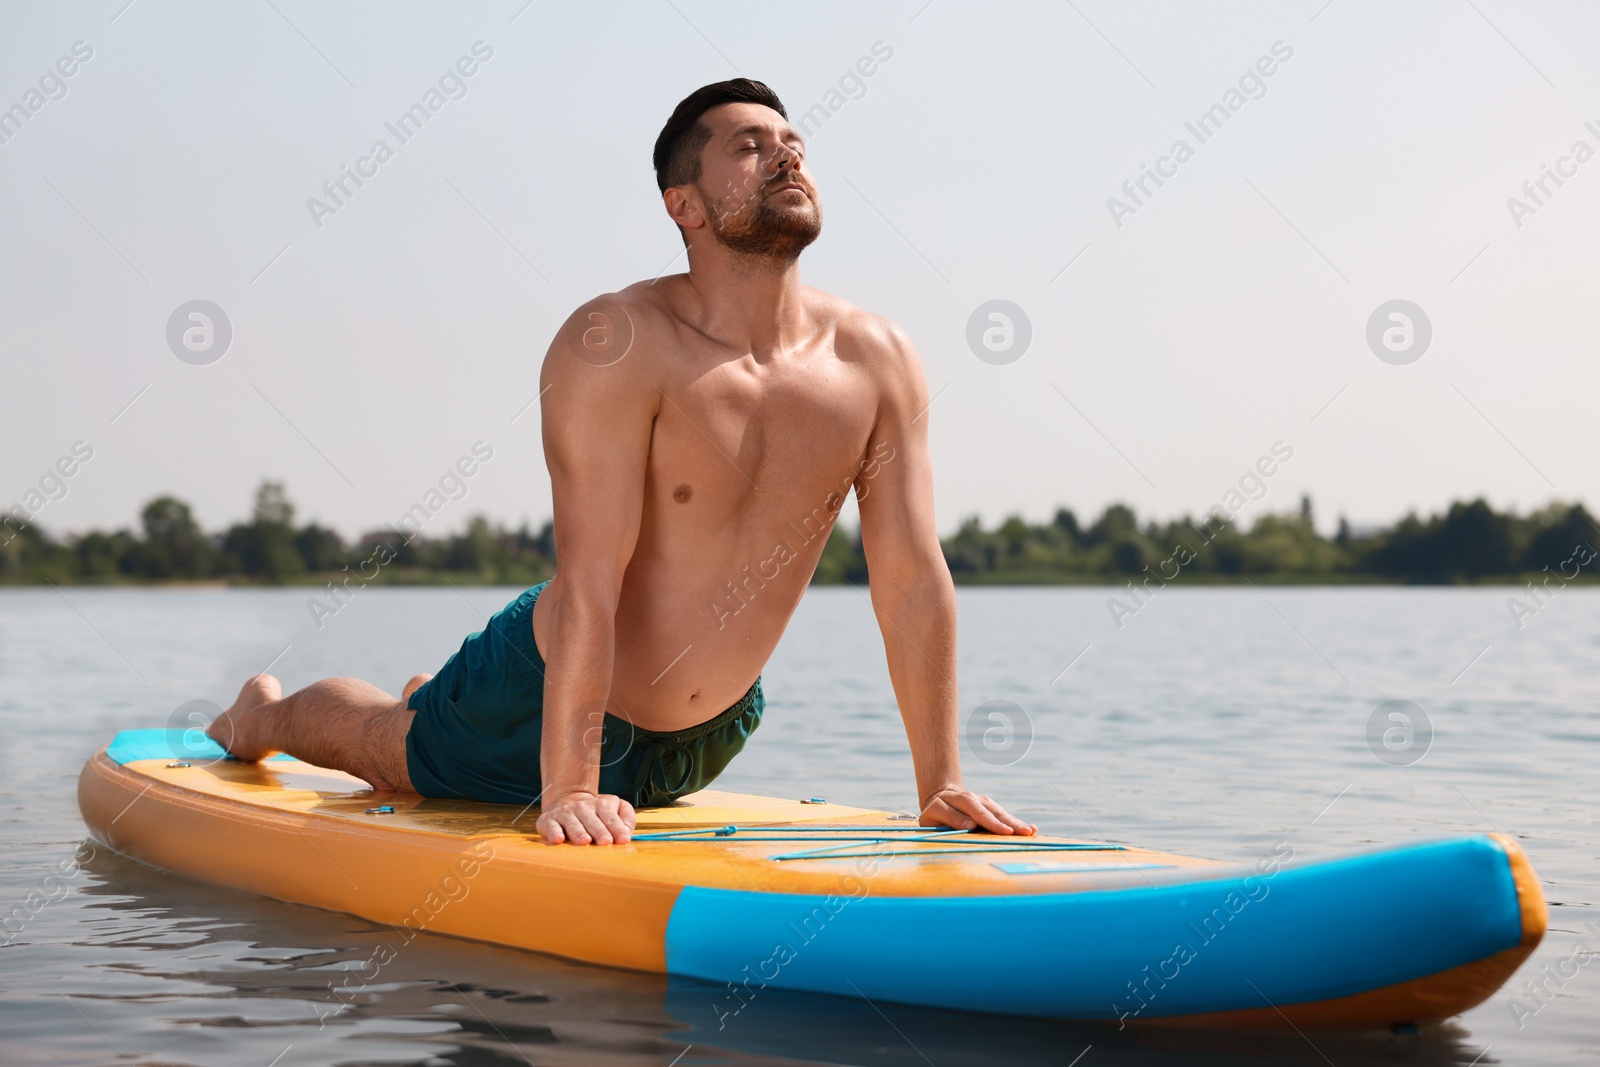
(737,433)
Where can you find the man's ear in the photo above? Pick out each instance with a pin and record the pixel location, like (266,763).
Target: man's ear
(685,206)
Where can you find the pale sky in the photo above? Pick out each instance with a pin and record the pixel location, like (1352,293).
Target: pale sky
(1228,312)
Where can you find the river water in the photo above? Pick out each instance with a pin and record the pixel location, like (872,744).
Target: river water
(1215,722)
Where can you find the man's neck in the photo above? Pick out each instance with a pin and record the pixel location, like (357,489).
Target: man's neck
(746,301)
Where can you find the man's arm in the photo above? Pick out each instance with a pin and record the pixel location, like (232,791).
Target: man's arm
(598,406)
(912,593)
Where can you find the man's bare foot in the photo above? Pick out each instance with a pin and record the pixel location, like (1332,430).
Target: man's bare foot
(235,729)
(417,682)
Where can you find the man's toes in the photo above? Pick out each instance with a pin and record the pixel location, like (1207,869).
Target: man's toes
(257,690)
(220,730)
(417,682)
(232,729)
(225,730)
(260,689)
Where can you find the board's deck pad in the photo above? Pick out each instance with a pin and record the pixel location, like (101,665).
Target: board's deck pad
(719,882)
(740,860)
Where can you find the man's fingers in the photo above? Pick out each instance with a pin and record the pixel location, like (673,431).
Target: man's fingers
(1012,824)
(629,818)
(942,813)
(1027,829)
(1000,817)
(602,820)
(968,811)
(595,825)
(978,808)
(1017,825)
(959,817)
(572,823)
(964,813)
(617,824)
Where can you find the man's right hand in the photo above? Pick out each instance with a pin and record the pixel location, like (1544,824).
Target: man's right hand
(586,819)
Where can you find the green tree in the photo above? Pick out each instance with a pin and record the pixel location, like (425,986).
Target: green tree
(1067,523)
(103,556)
(1116,523)
(265,547)
(272,506)
(174,545)
(843,561)
(475,550)
(320,548)
(1557,544)
(1473,542)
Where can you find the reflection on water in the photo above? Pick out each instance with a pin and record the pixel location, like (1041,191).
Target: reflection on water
(1207,726)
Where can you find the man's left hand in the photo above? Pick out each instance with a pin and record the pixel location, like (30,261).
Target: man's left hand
(972,811)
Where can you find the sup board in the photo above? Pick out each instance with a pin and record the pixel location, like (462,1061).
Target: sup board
(751,893)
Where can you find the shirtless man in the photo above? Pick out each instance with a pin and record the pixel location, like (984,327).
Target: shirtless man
(701,432)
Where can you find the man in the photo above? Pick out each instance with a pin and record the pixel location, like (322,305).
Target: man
(701,432)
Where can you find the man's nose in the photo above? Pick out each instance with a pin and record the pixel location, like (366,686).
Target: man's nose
(785,157)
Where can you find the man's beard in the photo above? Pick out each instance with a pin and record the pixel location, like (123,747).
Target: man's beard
(767,232)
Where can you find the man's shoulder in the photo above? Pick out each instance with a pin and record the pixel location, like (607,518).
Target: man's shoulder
(603,330)
(641,304)
(863,334)
(878,345)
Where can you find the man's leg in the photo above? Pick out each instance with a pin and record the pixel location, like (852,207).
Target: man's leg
(342,723)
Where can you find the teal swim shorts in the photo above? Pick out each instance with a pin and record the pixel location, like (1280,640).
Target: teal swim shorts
(477,725)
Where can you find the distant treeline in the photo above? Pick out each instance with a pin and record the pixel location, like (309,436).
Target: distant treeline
(1471,542)
(271,549)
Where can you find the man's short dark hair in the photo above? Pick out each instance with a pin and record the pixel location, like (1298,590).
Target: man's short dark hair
(677,154)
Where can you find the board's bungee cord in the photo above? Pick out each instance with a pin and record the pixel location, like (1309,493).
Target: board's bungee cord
(791,833)
(847,837)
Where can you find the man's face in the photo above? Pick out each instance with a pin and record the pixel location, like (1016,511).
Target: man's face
(753,178)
